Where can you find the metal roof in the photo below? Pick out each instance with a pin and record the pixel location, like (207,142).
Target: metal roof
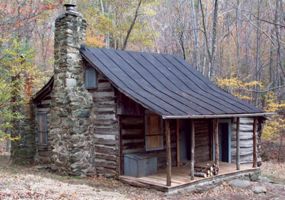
(166,84)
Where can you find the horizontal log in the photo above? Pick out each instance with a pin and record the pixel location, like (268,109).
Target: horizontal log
(104,122)
(243,152)
(105,85)
(106,157)
(132,120)
(200,174)
(132,131)
(246,120)
(243,137)
(133,145)
(137,150)
(104,102)
(106,142)
(133,141)
(244,160)
(106,164)
(201,147)
(43,109)
(99,95)
(106,137)
(127,137)
(106,130)
(106,149)
(106,117)
(105,109)
(244,144)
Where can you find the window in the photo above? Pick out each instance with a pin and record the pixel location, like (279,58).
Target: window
(43,129)
(153,132)
(90,78)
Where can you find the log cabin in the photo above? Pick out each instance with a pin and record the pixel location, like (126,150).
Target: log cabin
(147,119)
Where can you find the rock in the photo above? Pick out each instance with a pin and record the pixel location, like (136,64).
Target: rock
(264,179)
(254,177)
(259,189)
(239,183)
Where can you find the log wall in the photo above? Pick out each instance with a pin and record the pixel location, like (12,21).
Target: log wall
(105,129)
(246,140)
(133,139)
(202,140)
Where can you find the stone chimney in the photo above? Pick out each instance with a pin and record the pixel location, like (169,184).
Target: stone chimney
(71,103)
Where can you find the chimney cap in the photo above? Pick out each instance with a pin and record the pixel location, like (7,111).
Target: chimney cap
(70,6)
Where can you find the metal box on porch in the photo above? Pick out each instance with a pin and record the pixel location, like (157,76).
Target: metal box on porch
(139,165)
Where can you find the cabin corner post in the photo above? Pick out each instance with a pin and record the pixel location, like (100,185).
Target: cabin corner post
(177,143)
(254,144)
(237,144)
(216,142)
(168,153)
(192,171)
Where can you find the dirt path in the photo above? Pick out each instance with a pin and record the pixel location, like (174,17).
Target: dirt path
(32,183)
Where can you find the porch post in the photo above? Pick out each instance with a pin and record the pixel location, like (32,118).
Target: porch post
(254,143)
(192,149)
(177,143)
(237,145)
(216,141)
(168,152)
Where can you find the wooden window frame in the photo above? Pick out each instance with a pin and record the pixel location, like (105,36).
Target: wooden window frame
(42,134)
(87,86)
(149,135)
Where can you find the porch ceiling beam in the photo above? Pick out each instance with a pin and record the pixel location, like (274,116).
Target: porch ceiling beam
(254,143)
(237,145)
(168,153)
(216,116)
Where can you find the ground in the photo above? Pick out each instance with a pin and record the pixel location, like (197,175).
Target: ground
(35,183)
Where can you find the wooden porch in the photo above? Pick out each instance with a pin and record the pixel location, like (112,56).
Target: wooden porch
(181,179)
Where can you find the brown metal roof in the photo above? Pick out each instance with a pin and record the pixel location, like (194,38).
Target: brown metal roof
(166,84)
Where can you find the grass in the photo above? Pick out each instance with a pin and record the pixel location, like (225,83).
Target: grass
(274,171)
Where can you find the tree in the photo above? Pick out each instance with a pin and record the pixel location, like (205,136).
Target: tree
(16,66)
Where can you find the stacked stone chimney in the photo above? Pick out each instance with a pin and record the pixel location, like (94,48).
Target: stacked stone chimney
(71,103)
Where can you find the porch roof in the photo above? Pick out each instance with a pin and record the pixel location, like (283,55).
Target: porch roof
(166,85)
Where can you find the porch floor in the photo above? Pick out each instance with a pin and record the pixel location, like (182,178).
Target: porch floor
(180,177)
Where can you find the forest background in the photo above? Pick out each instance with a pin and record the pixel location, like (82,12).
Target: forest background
(239,44)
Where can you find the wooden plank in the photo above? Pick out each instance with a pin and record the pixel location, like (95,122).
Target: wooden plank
(254,143)
(168,152)
(216,141)
(177,143)
(192,149)
(237,145)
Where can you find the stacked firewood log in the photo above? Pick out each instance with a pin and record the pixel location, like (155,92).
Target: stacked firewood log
(206,169)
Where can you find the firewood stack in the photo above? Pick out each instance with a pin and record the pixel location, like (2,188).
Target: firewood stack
(206,169)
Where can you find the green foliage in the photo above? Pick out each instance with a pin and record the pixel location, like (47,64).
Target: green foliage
(16,61)
(276,125)
(239,88)
(110,20)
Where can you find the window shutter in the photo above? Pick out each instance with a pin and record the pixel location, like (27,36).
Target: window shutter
(90,78)
(154,134)
(43,129)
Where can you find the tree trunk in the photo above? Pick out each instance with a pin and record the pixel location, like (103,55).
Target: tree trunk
(132,25)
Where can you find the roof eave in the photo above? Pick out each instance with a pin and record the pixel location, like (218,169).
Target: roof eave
(216,116)
(44,91)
